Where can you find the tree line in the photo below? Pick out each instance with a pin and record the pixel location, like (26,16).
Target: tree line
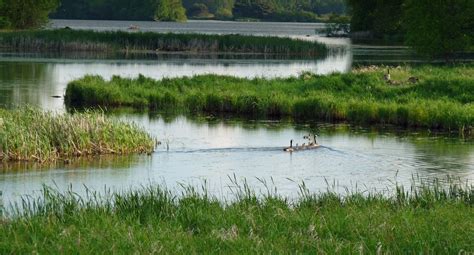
(20,14)
(287,10)
(165,10)
(437,28)
(279,10)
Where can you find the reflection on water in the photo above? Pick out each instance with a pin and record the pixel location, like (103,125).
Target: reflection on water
(303,30)
(34,80)
(207,149)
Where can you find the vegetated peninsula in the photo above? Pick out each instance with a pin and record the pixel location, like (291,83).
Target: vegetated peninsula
(76,40)
(428,97)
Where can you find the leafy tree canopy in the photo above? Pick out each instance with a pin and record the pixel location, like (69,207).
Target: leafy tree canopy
(439,27)
(432,27)
(23,14)
(170,10)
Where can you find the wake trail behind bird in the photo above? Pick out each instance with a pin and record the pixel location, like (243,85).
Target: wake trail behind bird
(244,149)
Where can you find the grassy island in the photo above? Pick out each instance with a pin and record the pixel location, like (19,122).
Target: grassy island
(443,97)
(430,220)
(32,135)
(82,40)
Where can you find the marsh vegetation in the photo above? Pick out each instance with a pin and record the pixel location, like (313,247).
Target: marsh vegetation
(441,98)
(72,40)
(430,218)
(28,134)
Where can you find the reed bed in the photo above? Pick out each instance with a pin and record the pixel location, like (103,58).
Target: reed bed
(424,220)
(32,135)
(442,99)
(82,40)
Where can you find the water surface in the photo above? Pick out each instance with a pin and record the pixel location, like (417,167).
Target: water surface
(195,150)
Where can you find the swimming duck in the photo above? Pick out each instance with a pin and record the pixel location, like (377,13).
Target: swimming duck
(133,27)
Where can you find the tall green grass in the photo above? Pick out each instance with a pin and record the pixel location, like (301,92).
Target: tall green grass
(427,220)
(443,99)
(32,135)
(76,40)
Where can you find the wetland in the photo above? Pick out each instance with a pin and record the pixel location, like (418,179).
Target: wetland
(225,150)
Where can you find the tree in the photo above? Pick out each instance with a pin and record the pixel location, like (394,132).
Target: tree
(3,20)
(23,14)
(260,9)
(224,13)
(439,27)
(198,10)
(381,17)
(170,10)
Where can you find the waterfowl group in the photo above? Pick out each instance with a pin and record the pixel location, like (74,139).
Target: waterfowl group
(134,27)
(388,79)
(312,144)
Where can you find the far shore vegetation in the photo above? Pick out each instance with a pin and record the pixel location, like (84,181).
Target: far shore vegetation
(31,135)
(433,28)
(262,10)
(428,218)
(25,14)
(77,40)
(427,97)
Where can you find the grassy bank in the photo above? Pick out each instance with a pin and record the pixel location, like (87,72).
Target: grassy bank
(442,99)
(32,135)
(76,40)
(431,220)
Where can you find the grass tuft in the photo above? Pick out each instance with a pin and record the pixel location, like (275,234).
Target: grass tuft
(32,135)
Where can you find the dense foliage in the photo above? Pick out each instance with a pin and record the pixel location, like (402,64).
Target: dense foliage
(292,10)
(440,27)
(436,28)
(219,9)
(170,10)
(430,219)
(280,10)
(22,14)
(443,99)
(167,10)
(381,17)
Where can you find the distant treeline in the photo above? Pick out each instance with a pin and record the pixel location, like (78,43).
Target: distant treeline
(115,9)
(278,10)
(436,28)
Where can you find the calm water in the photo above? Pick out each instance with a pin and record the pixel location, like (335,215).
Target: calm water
(209,149)
(212,150)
